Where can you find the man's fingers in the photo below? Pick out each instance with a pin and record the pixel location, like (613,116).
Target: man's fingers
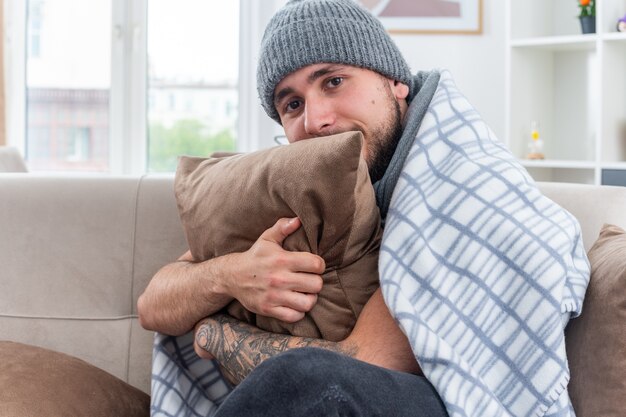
(304,262)
(202,353)
(290,306)
(281,229)
(300,302)
(285,314)
(302,283)
(307,262)
(200,341)
(294,261)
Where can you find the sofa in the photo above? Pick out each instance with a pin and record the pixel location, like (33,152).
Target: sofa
(11,160)
(75,254)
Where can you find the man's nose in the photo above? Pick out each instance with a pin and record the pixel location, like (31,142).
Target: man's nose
(319,118)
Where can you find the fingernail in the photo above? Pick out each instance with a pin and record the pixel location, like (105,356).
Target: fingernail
(293,219)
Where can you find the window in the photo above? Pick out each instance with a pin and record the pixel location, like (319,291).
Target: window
(68,78)
(121,86)
(34,28)
(192,79)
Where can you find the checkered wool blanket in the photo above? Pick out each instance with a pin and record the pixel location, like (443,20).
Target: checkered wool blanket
(481,271)
(183,385)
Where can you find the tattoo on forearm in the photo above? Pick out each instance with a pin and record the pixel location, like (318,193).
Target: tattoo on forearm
(240,347)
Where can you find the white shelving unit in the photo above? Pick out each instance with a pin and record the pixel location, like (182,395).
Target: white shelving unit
(574,85)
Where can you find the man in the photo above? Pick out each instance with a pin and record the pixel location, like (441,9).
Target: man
(365,88)
(325,67)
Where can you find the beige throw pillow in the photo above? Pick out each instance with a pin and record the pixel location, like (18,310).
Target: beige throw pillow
(226,203)
(596,341)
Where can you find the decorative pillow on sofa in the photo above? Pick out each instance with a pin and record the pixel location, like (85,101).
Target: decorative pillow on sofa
(40,382)
(225,204)
(596,341)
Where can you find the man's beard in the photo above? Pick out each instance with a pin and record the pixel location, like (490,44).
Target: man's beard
(383,142)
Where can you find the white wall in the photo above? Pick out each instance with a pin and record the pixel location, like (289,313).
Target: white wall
(477,62)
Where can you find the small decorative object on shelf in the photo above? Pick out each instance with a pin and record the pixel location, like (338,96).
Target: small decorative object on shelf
(535,147)
(621,24)
(587,15)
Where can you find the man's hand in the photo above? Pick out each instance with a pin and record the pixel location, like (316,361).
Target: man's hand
(274,282)
(266,279)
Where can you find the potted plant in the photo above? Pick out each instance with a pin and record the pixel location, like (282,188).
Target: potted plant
(587,15)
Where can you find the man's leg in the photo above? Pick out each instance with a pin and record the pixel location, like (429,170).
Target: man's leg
(316,382)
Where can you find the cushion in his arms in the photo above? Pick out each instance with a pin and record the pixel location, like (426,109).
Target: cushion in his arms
(226,203)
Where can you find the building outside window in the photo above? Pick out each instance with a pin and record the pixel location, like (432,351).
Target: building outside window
(68,129)
(68,79)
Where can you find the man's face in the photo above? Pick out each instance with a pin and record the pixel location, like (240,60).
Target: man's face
(326,99)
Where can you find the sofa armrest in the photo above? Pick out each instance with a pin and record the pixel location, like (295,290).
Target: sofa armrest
(11,160)
(76,252)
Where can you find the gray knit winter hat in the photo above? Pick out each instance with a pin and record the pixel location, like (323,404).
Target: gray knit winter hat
(306,32)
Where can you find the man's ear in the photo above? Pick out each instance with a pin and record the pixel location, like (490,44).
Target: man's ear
(399,89)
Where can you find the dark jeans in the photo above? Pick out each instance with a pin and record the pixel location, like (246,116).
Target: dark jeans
(316,382)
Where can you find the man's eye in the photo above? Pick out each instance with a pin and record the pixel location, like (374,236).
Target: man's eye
(335,81)
(293,105)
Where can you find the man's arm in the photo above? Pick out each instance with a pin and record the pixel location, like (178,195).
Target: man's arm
(266,279)
(240,347)
(182,292)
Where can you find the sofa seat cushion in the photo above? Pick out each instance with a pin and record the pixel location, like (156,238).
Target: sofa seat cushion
(596,341)
(40,382)
(226,203)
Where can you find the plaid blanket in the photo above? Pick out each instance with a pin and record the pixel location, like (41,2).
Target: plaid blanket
(481,271)
(183,385)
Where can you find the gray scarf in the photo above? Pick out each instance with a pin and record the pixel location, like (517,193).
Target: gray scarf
(424,83)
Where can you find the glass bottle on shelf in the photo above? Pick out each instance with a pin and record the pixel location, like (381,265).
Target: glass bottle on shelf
(535,146)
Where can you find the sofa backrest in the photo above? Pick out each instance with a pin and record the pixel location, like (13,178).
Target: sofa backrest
(77,251)
(75,254)
(592,205)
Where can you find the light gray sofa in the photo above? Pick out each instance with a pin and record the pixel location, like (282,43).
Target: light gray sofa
(77,251)
(11,160)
